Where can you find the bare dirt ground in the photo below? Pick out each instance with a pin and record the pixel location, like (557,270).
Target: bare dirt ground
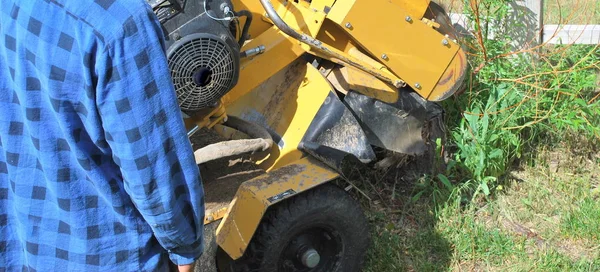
(222,177)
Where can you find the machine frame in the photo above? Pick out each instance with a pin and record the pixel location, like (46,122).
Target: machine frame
(403,50)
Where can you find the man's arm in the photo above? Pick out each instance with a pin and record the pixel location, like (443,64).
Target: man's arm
(145,131)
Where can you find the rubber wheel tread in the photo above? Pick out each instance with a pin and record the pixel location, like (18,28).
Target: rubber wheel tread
(326,204)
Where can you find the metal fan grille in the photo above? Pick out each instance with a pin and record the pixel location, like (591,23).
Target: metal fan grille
(201,54)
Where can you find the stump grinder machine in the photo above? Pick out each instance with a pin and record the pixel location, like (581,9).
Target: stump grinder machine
(306,92)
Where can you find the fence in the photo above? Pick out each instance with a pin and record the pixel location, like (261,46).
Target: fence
(529,19)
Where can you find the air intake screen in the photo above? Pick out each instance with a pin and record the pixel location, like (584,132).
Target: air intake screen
(203,70)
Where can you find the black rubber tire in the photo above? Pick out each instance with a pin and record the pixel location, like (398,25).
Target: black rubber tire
(326,206)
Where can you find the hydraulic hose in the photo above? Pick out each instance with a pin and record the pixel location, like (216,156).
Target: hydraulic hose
(244,35)
(261,141)
(280,23)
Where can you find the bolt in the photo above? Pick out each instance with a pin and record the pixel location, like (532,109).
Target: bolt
(254,51)
(384,56)
(445,42)
(408,19)
(225,8)
(348,25)
(418,85)
(398,84)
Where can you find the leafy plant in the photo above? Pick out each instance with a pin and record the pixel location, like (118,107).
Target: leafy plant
(516,97)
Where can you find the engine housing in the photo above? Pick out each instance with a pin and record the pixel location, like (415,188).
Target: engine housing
(202,50)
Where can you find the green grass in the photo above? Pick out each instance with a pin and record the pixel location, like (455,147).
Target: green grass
(583,222)
(408,242)
(544,217)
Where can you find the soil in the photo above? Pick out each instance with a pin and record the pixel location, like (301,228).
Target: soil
(221,178)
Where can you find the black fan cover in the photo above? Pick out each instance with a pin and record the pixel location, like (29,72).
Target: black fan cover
(203,68)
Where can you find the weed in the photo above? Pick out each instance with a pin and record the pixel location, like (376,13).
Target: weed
(518,103)
(515,98)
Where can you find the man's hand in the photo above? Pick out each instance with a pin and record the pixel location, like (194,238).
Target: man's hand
(186,267)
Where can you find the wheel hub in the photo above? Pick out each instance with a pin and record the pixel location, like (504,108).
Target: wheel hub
(315,249)
(310,258)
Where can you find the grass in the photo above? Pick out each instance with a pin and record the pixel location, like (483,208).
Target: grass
(544,217)
(555,11)
(583,222)
(407,241)
(517,195)
(576,12)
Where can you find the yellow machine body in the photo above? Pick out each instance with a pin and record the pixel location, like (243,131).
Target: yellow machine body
(256,195)
(392,47)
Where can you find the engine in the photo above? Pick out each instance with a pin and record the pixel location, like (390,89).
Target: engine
(202,49)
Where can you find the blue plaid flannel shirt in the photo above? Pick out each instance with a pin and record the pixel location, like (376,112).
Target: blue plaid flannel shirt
(96,170)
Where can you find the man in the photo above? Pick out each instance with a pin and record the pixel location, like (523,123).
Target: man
(96,170)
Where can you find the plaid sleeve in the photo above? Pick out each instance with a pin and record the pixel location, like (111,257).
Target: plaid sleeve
(146,133)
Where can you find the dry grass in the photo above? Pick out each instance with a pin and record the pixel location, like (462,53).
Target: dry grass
(544,202)
(576,12)
(544,217)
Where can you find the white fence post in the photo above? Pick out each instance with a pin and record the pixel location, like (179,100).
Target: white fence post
(525,23)
(536,7)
